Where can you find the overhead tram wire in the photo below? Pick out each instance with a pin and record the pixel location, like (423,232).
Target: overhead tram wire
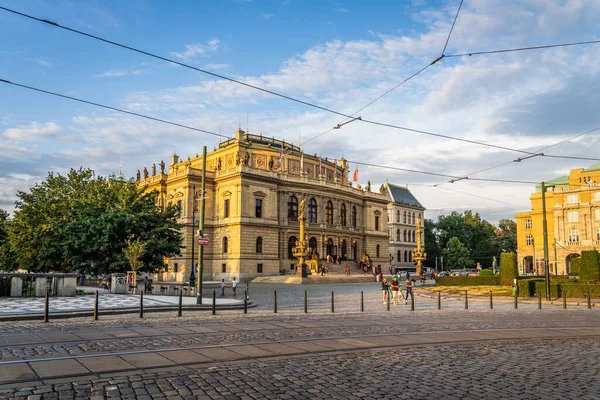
(481,197)
(164,121)
(550,46)
(399,84)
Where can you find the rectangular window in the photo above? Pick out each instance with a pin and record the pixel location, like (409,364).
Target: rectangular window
(258,211)
(224,268)
(376,223)
(573,216)
(529,240)
(179,208)
(572,199)
(175,267)
(574,235)
(259,268)
(292,266)
(596,196)
(597,214)
(528,223)
(598,234)
(226,209)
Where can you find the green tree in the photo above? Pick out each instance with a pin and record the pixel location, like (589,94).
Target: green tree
(432,248)
(589,269)
(80,222)
(456,255)
(7,256)
(506,236)
(133,252)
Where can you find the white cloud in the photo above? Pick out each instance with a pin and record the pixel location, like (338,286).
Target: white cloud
(342,10)
(268,16)
(33,131)
(43,62)
(119,73)
(194,50)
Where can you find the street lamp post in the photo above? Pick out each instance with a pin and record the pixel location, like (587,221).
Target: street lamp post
(545,232)
(201,229)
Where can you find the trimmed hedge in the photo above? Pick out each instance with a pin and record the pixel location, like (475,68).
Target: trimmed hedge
(467,280)
(590,268)
(527,287)
(509,269)
(580,289)
(555,288)
(575,266)
(486,272)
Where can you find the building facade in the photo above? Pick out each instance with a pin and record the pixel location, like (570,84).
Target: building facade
(403,211)
(254,185)
(573,221)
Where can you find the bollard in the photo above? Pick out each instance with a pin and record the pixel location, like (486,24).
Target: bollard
(539,300)
(214,303)
(245,301)
(332,303)
(491,301)
(589,300)
(516,300)
(388,300)
(142,304)
(179,310)
(46,307)
(565,300)
(275,301)
(439,300)
(96,307)
(362,302)
(412,301)
(466,300)
(305,302)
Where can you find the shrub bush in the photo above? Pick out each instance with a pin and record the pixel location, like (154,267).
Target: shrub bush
(527,286)
(509,270)
(467,280)
(580,289)
(590,268)
(575,266)
(555,288)
(486,272)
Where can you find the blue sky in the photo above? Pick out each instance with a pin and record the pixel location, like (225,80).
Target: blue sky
(339,54)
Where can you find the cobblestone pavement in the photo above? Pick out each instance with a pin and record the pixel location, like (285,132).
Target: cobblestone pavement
(557,369)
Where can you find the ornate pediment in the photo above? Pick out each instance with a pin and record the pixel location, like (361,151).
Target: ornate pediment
(258,193)
(226,193)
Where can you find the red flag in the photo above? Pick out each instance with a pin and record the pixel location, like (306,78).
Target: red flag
(355,175)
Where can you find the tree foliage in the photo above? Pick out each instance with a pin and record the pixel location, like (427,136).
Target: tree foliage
(432,247)
(7,256)
(80,222)
(589,269)
(457,255)
(133,252)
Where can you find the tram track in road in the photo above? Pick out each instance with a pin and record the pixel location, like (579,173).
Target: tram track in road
(103,364)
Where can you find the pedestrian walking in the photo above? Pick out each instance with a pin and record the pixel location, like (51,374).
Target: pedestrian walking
(395,284)
(384,289)
(222,286)
(234,285)
(409,289)
(347,271)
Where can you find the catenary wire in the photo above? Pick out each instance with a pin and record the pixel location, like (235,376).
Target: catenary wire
(452,27)
(51,23)
(477,53)
(482,197)
(112,108)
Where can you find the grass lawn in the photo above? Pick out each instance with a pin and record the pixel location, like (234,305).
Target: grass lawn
(473,290)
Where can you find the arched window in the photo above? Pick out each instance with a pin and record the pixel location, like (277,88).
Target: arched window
(312,210)
(410,256)
(329,213)
(292,208)
(259,245)
(343,214)
(413,218)
(404,217)
(405,236)
(353,216)
(397,235)
(419,216)
(377,251)
(399,257)
(225,245)
(312,243)
(405,256)
(413,235)
(291,245)
(397,215)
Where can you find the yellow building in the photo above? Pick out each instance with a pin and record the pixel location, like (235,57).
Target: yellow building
(573,218)
(252,203)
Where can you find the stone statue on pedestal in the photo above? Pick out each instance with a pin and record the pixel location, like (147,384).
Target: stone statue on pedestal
(162,167)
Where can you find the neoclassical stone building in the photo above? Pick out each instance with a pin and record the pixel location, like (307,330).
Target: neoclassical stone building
(252,203)
(403,212)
